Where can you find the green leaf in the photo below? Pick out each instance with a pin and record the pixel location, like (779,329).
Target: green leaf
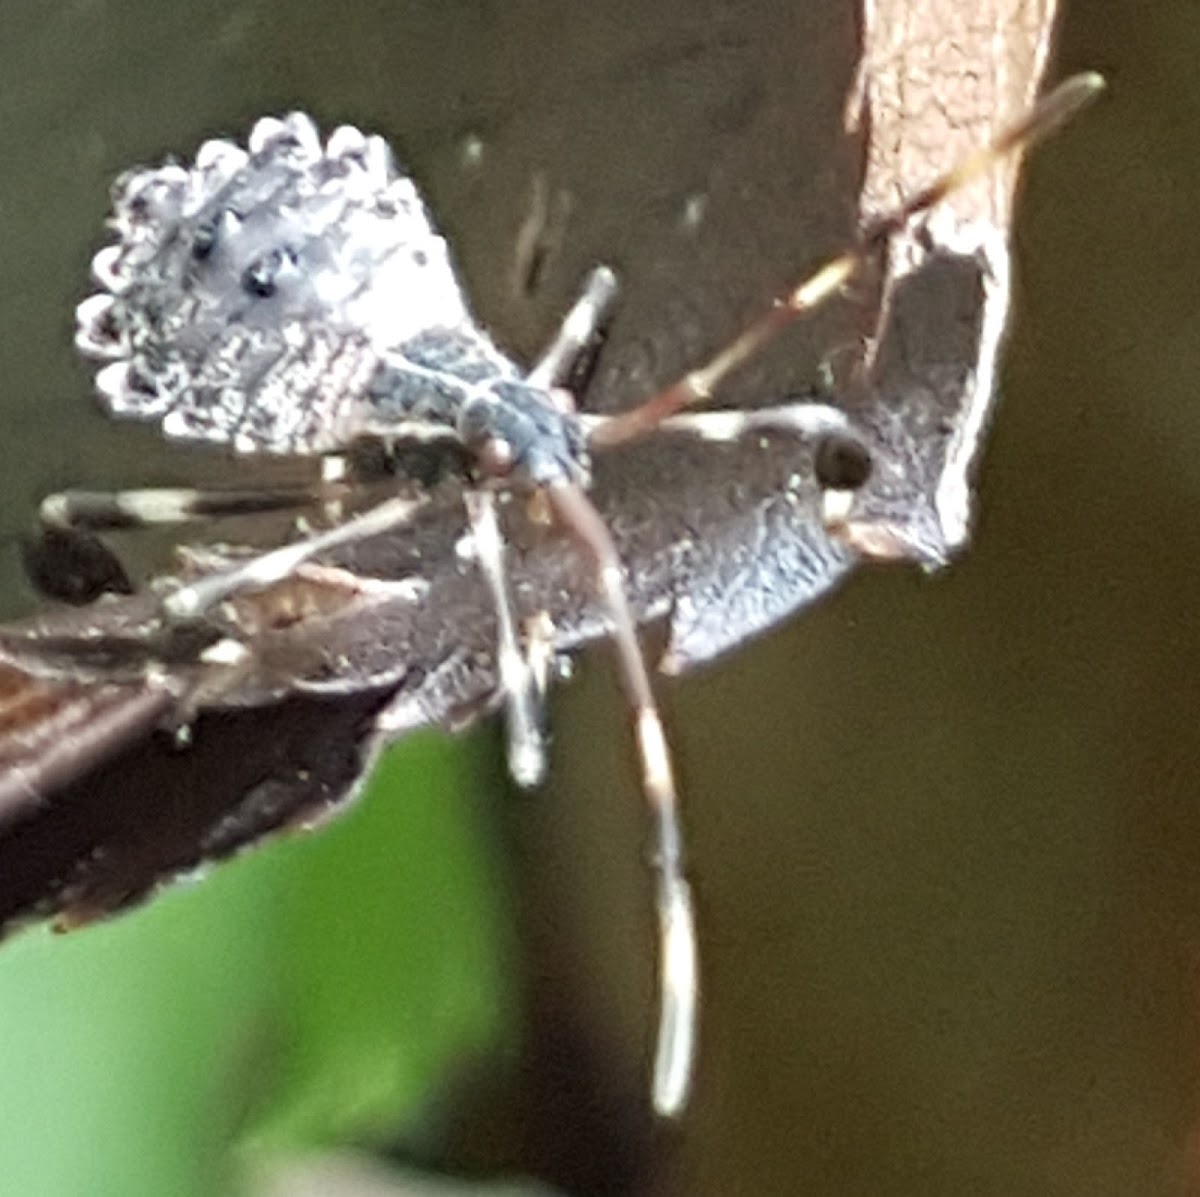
(310,993)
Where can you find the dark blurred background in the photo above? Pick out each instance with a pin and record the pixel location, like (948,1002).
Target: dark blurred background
(945,831)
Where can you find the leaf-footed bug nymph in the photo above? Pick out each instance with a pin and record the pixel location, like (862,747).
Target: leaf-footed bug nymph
(294,298)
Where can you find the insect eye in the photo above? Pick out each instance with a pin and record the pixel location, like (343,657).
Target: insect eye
(841,462)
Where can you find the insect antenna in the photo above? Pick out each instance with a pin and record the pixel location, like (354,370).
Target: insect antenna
(577,514)
(678,980)
(574,511)
(679,987)
(698,386)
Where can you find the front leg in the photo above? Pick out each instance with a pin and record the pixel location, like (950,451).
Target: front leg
(65,558)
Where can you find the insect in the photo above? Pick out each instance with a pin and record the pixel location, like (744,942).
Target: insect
(293,298)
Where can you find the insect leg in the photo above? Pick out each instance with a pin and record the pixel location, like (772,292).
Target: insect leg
(195,598)
(802,418)
(698,386)
(521,682)
(678,977)
(518,680)
(107,511)
(577,329)
(66,559)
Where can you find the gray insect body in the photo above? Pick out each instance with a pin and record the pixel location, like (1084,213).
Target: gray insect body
(294,297)
(291,298)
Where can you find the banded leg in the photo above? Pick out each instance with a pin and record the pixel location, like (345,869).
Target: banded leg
(698,386)
(520,680)
(523,714)
(66,559)
(577,330)
(196,598)
(811,419)
(101,511)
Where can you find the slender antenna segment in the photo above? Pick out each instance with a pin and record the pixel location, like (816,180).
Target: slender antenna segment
(698,386)
(679,981)
(675,1042)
